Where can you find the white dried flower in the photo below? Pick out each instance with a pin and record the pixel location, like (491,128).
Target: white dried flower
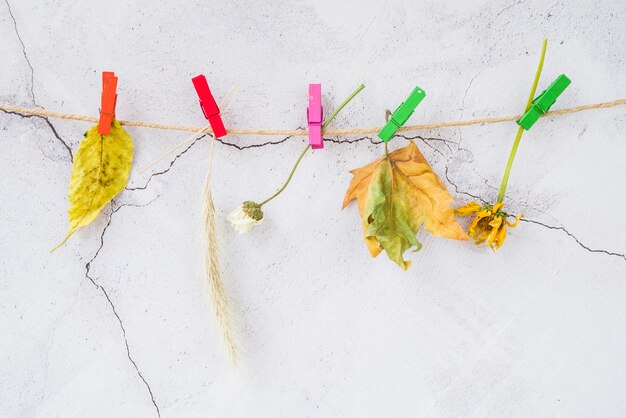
(245,217)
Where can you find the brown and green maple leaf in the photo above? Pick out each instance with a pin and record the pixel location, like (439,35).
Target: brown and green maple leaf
(396,195)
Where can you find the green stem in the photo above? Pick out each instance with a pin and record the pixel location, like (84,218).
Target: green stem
(520,130)
(387,116)
(342,105)
(306,149)
(293,170)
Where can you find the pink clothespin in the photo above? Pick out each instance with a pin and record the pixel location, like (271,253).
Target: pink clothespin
(209,106)
(315,116)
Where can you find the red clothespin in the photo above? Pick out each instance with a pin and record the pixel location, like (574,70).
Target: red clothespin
(209,106)
(108,102)
(315,116)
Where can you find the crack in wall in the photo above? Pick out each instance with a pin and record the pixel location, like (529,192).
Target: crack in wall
(32,71)
(244,147)
(52,338)
(457,190)
(424,139)
(58,137)
(172,162)
(351,141)
(50,125)
(469,86)
(110,302)
(560,228)
(263,144)
(32,88)
(507,8)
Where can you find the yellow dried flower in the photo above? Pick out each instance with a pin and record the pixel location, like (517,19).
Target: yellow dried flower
(489,225)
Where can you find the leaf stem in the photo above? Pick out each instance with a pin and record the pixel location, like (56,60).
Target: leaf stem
(520,130)
(308,146)
(387,116)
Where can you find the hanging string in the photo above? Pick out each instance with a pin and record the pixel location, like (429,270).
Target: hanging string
(302,132)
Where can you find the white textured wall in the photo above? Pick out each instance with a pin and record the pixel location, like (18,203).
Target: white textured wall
(537,329)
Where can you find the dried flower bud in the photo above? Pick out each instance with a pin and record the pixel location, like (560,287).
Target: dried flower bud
(246,216)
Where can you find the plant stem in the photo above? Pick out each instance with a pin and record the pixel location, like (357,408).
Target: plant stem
(387,116)
(520,130)
(342,105)
(306,149)
(293,170)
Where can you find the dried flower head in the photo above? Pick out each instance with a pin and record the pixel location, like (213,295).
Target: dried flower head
(489,225)
(246,216)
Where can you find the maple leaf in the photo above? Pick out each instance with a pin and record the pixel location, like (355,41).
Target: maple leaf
(100,171)
(396,195)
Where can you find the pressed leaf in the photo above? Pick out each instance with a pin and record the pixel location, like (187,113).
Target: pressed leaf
(101,168)
(396,195)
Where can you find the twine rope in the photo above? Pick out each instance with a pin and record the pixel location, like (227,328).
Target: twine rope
(303,132)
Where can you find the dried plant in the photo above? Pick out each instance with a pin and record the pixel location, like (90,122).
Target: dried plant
(221,302)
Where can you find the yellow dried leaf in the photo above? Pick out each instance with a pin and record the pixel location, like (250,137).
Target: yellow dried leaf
(395,196)
(101,168)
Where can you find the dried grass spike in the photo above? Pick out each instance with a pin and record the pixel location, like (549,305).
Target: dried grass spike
(221,303)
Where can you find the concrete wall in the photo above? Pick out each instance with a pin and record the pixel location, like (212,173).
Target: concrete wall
(536,329)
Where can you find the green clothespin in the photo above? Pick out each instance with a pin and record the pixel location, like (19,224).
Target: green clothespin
(544,101)
(402,114)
